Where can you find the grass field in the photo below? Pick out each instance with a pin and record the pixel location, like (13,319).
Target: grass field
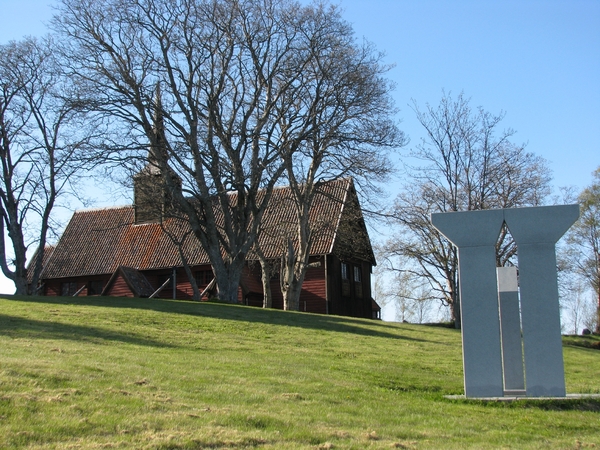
(155,374)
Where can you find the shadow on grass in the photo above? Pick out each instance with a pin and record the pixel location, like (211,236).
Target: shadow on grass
(233,312)
(569,404)
(19,327)
(590,342)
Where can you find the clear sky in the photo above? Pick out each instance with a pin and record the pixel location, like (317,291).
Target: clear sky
(537,60)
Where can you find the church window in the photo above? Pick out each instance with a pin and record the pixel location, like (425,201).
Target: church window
(95,287)
(68,289)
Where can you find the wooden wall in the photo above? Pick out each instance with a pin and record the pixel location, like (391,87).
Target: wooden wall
(321,291)
(53,287)
(119,288)
(353,305)
(183,287)
(313,297)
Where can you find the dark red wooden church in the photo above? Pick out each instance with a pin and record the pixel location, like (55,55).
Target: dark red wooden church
(122,251)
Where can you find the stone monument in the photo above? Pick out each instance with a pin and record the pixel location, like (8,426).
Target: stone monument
(493,331)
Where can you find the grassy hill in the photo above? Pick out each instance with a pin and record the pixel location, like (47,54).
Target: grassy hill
(97,373)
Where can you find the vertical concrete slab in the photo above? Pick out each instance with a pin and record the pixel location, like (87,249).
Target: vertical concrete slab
(542,342)
(536,231)
(475,234)
(510,329)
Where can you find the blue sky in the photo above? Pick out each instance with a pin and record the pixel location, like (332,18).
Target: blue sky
(537,60)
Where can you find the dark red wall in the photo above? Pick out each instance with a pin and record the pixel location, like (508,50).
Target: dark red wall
(318,287)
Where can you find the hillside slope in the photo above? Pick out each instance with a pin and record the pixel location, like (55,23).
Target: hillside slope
(158,374)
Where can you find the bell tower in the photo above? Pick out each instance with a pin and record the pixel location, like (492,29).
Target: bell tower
(152,197)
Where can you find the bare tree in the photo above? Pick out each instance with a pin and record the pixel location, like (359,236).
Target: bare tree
(40,139)
(572,296)
(411,297)
(223,67)
(380,291)
(465,163)
(234,76)
(582,253)
(347,102)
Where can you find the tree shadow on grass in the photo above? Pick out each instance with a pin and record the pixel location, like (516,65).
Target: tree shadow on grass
(361,327)
(19,327)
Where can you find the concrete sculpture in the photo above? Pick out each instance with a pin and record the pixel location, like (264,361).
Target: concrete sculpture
(491,329)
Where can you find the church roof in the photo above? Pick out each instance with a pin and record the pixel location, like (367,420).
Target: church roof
(98,241)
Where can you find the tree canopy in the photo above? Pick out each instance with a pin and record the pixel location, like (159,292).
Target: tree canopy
(42,141)
(248,89)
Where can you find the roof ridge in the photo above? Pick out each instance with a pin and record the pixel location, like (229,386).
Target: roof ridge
(102,208)
(341,213)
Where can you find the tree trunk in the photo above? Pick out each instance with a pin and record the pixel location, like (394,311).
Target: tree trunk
(21,285)
(228,290)
(36,267)
(190,275)
(19,275)
(228,278)
(266,279)
(293,271)
(288,281)
(287,276)
(266,282)
(292,295)
(455,310)
(598,317)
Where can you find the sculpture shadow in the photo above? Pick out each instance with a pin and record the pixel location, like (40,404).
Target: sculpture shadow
(591,404)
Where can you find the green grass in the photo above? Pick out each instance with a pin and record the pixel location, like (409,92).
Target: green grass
(154,374)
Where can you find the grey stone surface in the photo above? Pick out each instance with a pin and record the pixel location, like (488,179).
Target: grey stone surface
(516,398)
(540,313)
(475,236)
(535,230)
(510,329)
(541,223)
(470,228)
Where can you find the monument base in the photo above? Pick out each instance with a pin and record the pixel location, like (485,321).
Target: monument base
(513,398)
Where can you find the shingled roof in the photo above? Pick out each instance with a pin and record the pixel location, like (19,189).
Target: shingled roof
(98,241)
(48,250)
